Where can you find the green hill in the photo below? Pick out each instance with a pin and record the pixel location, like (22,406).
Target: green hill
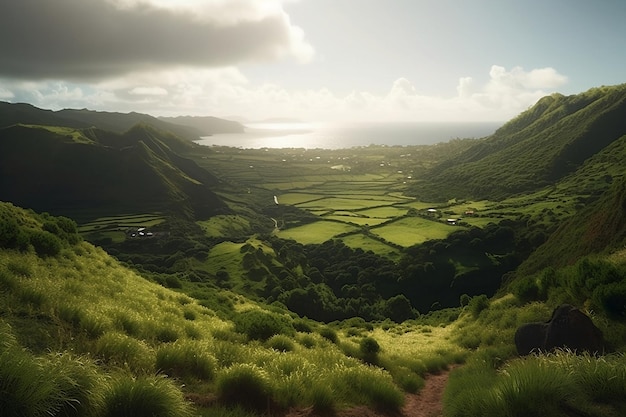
(206,125)
(536,149)
(188,128)
(66,171)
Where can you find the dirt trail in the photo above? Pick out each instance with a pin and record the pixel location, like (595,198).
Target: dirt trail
(426,403)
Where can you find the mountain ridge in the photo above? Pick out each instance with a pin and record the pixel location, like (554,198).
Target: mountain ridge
(49,171)
(535,149)
(16,113)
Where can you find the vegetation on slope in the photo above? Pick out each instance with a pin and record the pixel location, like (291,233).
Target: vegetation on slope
(534,150)
(83,335)
(21,113)
(64,171)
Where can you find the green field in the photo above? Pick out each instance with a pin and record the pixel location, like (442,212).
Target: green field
(368,194)
(413,230)
(317,232)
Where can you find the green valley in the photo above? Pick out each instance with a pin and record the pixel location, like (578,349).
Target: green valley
(143,274)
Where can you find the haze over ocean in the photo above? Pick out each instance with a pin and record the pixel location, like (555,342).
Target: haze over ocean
(337,136)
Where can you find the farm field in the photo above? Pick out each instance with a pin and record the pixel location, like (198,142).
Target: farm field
(317,232)
(115,227)
(354,192)
(413,230)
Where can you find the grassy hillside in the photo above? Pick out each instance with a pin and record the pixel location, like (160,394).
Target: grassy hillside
(188,128)
(80,330)
(68,171)
(82,335)
(535,149)
(206,125)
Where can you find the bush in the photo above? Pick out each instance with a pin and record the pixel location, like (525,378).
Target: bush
(478,304)
(45,243)
(260,325)
(369,348)
(172,281)
(611,298)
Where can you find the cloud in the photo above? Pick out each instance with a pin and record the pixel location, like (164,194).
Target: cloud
(98,39)
(224,92)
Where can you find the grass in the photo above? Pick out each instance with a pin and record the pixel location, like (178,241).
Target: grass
(317,232)
(410,231)
(127,340)
(549,385)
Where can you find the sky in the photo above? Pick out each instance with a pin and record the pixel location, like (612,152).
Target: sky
(311,60)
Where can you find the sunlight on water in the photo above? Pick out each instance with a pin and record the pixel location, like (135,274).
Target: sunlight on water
(336,136)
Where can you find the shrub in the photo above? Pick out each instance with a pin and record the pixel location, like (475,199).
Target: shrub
(611,298)
(172,281)
(369,348)
(11,235)
(244,385)
(478,304)
(146,396)
(260,325)
(45,243)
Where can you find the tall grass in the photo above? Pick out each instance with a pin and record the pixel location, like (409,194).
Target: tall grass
(146,396)
(55,384)
(186,359)
(550,385)
(120,350)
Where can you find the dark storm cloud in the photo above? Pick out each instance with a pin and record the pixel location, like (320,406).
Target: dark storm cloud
(93,39)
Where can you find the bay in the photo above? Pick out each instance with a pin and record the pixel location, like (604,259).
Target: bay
(338,136)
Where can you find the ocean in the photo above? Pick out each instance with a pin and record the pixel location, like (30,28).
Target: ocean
(339,136)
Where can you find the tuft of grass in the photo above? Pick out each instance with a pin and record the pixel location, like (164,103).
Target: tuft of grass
(281,343)
(123,351)
(56,384)
(186,359)
(548,385)
(372,385)
(329,334)
(407,379)
(146,396)
(244,385)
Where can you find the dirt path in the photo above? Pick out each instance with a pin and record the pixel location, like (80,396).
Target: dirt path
(426,403)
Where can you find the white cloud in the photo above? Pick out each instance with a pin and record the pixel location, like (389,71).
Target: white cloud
(148,91)
(226,92)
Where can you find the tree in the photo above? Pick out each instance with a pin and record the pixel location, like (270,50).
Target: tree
(399,309)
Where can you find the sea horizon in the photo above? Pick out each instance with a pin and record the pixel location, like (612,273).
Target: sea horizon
(348,135)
